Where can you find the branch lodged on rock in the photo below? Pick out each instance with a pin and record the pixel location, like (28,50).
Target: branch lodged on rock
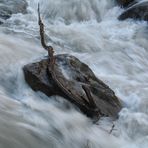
(67,76)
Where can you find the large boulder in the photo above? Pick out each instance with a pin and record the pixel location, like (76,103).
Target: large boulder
(138,11)
(9,7)
(125,3)
(76,82)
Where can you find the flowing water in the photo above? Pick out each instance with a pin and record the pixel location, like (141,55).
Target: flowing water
(117,52)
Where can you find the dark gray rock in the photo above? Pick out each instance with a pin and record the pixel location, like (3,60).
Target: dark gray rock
(138,11)
(39,79)
(9,7)
(76,82)
(126,3)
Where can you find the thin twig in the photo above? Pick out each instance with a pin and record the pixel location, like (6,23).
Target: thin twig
(112,128)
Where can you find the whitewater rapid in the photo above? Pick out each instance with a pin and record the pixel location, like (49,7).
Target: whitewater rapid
(117,52)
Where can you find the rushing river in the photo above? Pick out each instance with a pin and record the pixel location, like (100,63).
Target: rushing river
(117,52)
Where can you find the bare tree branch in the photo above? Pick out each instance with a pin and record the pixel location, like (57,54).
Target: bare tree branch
(48,48)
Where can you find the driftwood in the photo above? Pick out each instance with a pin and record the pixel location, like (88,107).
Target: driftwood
(48,48)
(52,59)
(67,76)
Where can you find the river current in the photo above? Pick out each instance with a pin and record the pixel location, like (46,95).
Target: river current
(117,52)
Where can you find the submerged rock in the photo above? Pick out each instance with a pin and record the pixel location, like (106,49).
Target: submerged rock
(138,11)
(126,3)
(9,7)
(76,82)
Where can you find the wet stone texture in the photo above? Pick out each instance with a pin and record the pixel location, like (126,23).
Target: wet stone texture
(76,82)
(138,11)
(126,3)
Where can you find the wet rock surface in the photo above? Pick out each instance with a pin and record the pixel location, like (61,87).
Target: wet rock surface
(76,82)
(126,3)
(39,79)
(138,11)
(9,7)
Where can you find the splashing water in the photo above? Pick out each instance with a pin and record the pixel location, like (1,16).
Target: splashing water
(116,51)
